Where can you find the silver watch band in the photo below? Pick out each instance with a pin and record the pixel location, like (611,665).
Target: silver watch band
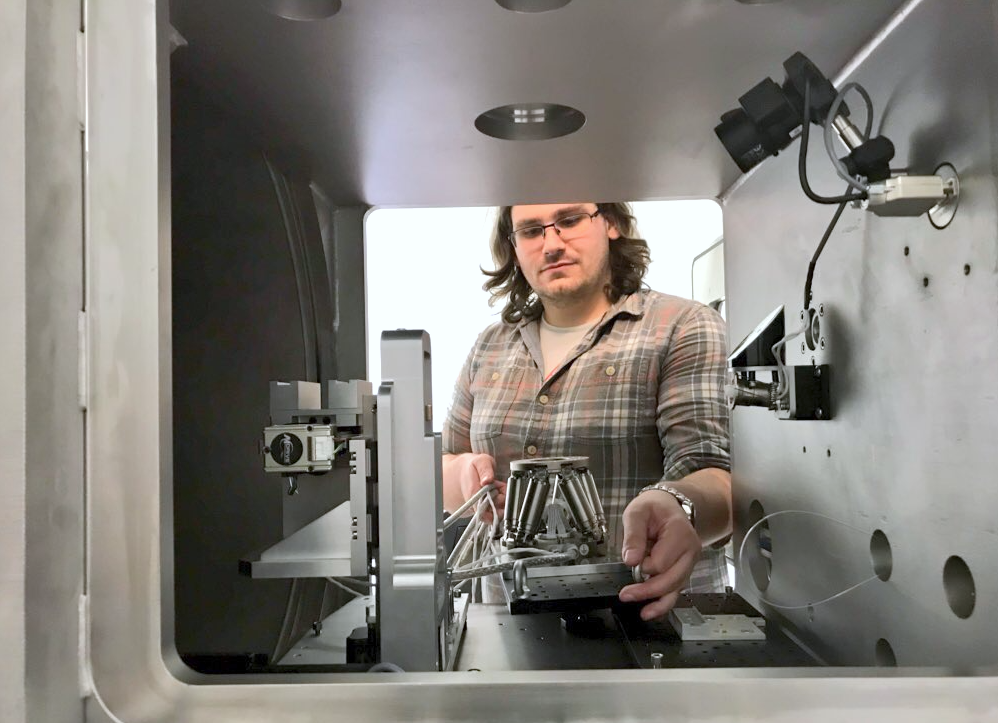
(685,502)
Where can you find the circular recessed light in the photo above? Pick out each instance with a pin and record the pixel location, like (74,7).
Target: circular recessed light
(532,6)
(302,9)
(530,121)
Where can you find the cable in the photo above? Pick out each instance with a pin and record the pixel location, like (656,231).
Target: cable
(531,550)
(453,518)
(341,586)
(767,601)
(802,160)
(527,562)
(782,387)
(829,125)
(817,253)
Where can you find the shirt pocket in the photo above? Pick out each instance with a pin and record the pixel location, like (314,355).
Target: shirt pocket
(612,399)
(494,389)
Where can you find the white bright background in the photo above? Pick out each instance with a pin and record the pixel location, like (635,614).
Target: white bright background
(422,268)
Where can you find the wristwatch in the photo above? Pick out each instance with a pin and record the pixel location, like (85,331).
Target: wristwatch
(685,502)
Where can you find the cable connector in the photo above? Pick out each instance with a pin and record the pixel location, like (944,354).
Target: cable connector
(908,195)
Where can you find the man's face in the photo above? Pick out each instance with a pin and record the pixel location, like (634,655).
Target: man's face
(573,265)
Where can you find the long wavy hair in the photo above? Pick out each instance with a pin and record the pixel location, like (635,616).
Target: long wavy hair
(629,259)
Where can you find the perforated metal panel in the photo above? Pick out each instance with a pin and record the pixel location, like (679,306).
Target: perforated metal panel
(909,329)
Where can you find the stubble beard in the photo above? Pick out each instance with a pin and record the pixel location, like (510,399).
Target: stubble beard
(585,289)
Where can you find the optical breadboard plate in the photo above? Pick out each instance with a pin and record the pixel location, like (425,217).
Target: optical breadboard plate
(569,592)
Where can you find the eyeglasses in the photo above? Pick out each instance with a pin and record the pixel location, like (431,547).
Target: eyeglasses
(568,227)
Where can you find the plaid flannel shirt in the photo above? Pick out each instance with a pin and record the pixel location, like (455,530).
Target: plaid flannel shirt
(642,396)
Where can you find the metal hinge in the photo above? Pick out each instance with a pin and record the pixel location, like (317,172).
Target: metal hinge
(81,79)
(82,366)
(83,647)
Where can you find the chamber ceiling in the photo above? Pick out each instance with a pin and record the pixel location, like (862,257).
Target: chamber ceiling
(378,102)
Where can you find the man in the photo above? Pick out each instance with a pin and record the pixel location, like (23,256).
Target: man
(586,362)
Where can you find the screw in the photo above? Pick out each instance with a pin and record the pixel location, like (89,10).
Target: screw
(818,413)
(817,373)
(802,348)
(966,269)
(821,309)
(822,343)
(656,660)
(317,627)
(802,315)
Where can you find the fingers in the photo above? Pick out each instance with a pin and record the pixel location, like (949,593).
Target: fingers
(674,549)
(660,607)
(635,545)
(664,583)
(485,467)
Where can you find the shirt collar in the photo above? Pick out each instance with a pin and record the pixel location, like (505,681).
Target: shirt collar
(629,305)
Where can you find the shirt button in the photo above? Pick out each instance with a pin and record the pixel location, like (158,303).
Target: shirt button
(495,376)
(543,399)
(531,450)
(611,370)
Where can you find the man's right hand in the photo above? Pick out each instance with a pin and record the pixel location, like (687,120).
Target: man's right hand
(465,474)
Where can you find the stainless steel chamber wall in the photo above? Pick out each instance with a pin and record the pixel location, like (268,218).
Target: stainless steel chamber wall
(932,77)
(909,329)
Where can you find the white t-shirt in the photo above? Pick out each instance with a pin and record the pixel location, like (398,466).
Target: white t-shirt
(557,342)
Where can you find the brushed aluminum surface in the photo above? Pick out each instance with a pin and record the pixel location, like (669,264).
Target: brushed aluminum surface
(135,672)
(909,332)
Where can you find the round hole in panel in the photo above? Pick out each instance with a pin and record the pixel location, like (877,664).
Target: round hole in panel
(302,9)
(880,553)
(759,549)
(532,6)
(530,121)
(961,593)
(884,654)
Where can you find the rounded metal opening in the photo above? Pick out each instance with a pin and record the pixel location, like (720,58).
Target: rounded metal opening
(302,9)
(943,212)
(532,6)
(530,121)
(884,654)
(759,549)
(961,593)
(812,329)
(880,551)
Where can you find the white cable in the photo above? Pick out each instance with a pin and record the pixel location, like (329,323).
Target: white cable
(833,111)
(461,546)
(748,533)
(534,552)
(341,586)
(782,387)
(453,518)
(527,561)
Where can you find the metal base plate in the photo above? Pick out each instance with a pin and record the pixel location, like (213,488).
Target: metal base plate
(569,589)
(614,638)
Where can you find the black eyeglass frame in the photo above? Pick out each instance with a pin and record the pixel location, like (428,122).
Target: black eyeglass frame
(552,225)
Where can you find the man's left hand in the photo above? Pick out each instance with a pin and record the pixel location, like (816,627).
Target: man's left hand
(659,536)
